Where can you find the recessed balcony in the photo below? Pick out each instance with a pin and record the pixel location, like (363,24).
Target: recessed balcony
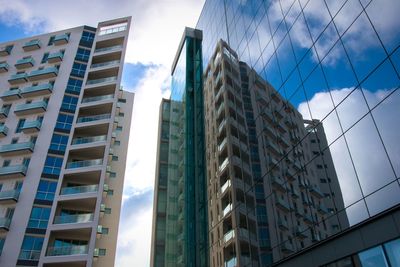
(17,149)
(75,218)
(61,39)
(32,45)
(67,250)
(4,224)
(8,197)
(18,78)
(97,98)
(31,126)
(37,90)
(11,95)
(45,73)
(55,57)
(84,163)
(31,108)
(25,63)
(101,81)
(4,67)
(3,130)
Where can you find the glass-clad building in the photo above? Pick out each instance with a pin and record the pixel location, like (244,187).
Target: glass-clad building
(336,64)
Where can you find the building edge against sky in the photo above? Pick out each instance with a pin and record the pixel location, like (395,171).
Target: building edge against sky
(65,125)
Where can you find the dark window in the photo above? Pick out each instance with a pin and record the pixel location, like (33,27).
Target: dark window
(51,40)
(31,248)
(45,57)
(69,104)
(82,54)
(52,165)
(87,39)
(46,190)
(19,125)
(74,86)
(39,217)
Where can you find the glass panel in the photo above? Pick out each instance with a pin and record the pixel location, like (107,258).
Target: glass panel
(373,257)
(393,252)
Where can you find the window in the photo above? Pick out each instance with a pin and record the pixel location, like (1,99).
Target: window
(20,125)
(52,165)
(110,192)
(119,128)
(14,140)
(18,185)
(78,70)
(31,248)
(46,190)
(392,251)
(2,240)
(39,217)
(107,210)
(87,39)
(6,163)
(58,143)
(114,158)
(82,54)
(45,57)
(117,143)
(121,100)
(74,86)
(64,122)
(102,252)
(69,104)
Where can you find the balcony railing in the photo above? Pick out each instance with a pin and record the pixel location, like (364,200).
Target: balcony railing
(79,189)
(229,235)
(11,94)
(103,64)
(13,170)
(86,140)
(31,126)
(223,165)
(24,63)
(37,89)
(3,130)
(67,250)
(31,45)
(61,39)
(93,118)
(39,106)
(227,209)
(84,163)
(225,186)
(9,195)
(102,80)
(18,78)
(43,73)
(76,218)
(4,67)
(223,143)
(5,223)
(27,146)
(110,48)
(55,57)
(96,98)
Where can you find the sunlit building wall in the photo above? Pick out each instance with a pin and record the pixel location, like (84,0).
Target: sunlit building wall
(65,125)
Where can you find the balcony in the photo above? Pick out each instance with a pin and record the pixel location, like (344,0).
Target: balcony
(283,225)
(229,236)
(108,49)
(102,80)
(282,204)
(67,250)
(287,247)
(37,90)
(222,145)
(97,98)
(279,184)
(323,209)
(3,67)
(105,64)
(45,73)
(25,63)
(31,108)
(227,209)
(300,232)
(31,126)
(93,118)
(84,163)
(72,190)
(308,219)
(3,130)
(32,45)
(5,51)
(4,112)
(55,57)
(17,149)
(76,218)
(4,224)
(88,140)
(18,78)
(11,95)
(61,39)
(225,186)
(223,165)
(8,197)
(316,191)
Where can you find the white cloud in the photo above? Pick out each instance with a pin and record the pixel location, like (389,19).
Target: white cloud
(367,153)
(156,29)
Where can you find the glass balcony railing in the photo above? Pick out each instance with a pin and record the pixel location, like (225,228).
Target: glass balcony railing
(84,163)
(31,45)
(225,186)
(17,147)
(93,118)
(223,143)
(10,170)
(40,106)
(61,39)
(55,57)
(29,125)
(53,71)
(18,77)
(67,250)
(223,165)
(4,67)
(25,62)
(4,112)
(37,88)
(110,48)
(102,80)
(103,64)
(79,189)
(91,139)
(76,218)
(96,98)
(3,130)
(231,263)
(227,209)
(9,194)
(11,94)
(5,223)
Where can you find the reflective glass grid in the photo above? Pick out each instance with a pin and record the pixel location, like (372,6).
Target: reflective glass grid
(335,61)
